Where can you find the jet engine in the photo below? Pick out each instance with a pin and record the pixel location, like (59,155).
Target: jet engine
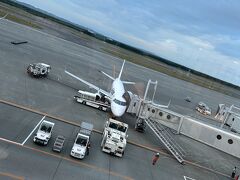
(127,96)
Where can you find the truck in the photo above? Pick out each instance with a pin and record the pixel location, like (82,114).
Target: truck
(114,138)
(93,99)
(82,142)
(38,69)
(203,108)
(44,132)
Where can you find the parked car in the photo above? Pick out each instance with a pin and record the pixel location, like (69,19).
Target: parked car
(58,144)
(44,133)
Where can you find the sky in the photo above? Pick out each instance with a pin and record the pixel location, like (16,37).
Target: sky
(203,35)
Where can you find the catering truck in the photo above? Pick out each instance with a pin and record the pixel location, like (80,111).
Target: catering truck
(114,138)
(82,142)
(93,99)
(44,133)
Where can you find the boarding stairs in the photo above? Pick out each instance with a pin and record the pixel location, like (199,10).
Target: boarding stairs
(166,138)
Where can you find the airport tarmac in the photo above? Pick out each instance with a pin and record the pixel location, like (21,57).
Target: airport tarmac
(21,157)
(54,96)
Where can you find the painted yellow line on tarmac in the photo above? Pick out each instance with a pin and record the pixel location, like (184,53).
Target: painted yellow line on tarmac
(206,168)
(82,163)
(6,140)
(11,176)
(100,132)
(77,124)
(149,148)
(38,112)
(67,159)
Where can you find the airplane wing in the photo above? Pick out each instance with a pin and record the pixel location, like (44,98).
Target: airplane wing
(89,84)
(128,82)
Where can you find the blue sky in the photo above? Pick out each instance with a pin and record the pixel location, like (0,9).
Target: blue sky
(203,35)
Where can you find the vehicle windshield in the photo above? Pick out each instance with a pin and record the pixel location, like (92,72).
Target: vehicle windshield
(81,141)
(45,128)
(121,103)
(117,127)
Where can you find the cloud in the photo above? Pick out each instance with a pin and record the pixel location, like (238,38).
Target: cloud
(236,62)
(203,35)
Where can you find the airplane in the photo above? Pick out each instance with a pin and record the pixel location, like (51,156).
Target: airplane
(119,98)
(4,16)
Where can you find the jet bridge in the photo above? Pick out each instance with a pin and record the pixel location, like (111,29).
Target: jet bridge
(159,119)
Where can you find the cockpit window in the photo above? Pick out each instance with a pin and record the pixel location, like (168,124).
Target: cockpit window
(121,103)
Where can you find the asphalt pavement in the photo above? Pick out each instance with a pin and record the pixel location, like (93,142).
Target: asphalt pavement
(54,96)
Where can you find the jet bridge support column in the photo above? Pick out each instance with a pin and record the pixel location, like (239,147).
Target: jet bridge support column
(147,88)
(158,118)
(140,123)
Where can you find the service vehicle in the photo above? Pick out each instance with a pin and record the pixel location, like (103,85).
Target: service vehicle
(82,142)
(203,108)
(59,143)
(188,99)
(114,139)
(38,69)
(44,133)
(93,100)
(140,125)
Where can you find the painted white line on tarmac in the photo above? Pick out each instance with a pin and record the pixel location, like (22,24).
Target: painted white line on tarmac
(33,130)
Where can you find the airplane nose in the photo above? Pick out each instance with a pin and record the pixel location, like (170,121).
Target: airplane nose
(117,111)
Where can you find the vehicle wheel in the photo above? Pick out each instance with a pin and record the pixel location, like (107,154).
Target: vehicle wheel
(100,108)
(84,102)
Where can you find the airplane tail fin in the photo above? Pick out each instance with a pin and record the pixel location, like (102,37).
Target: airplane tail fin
(120,74)
(108,75)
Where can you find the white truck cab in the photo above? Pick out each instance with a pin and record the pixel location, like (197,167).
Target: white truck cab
(82,142)
(114,139)
(44,133)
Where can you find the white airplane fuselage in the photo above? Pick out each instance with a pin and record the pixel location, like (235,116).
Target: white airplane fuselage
(116,96)
(118,103)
